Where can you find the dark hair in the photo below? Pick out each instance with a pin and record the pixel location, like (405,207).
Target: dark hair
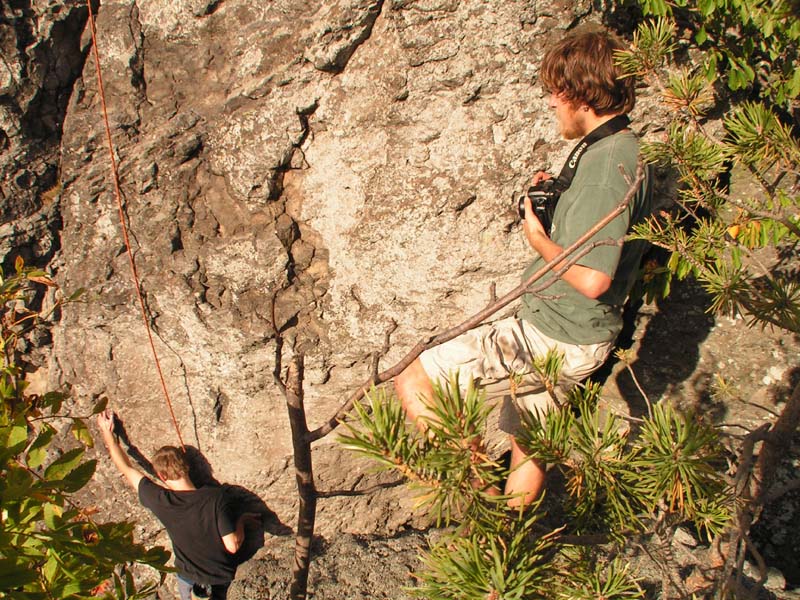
(581,68)
(169,462)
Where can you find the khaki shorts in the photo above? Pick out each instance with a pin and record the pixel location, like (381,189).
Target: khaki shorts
(491,353)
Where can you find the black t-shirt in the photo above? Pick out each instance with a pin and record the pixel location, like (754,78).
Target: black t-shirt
(195,520)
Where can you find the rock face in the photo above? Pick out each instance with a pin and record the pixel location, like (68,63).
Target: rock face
(333,169)
(41,59)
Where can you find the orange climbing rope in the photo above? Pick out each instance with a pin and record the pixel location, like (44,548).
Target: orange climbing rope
(118,195)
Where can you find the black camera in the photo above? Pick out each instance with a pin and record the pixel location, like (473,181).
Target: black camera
(544,196)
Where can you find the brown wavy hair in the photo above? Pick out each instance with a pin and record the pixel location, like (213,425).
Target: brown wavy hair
(170,463)
(581,68)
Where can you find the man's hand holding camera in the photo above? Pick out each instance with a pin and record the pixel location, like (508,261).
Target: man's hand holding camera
(541,199)
(531,224)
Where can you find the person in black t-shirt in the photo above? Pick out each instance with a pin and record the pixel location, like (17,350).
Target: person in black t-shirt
(203,534)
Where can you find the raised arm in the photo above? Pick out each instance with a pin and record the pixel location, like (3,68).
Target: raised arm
(105,421)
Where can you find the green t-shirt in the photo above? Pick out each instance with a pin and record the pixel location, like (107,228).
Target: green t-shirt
(560,311)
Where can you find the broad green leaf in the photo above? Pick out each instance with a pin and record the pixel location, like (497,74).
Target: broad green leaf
(51,568)
(72,588)
(80,476)
(674,261)
(794,84)
(706,7)
(768,28)
(64,464)
(18,435)
(701,36)
(100,406)
(52,514)
(38,450)
(81,433)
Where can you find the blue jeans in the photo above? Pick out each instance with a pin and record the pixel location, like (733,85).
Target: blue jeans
(218,591)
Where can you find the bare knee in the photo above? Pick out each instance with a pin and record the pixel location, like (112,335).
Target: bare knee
(526,479)
(414,389)
(405,385)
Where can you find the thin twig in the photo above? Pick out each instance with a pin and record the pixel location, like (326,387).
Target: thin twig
(387,341)
(364,492)
(629,368)
(762,407)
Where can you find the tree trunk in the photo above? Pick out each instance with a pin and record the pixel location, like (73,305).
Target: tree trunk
(305,479)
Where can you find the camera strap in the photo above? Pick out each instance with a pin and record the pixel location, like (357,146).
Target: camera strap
(608,128)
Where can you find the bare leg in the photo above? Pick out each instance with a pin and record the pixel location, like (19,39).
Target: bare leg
(526,478)
(415,391)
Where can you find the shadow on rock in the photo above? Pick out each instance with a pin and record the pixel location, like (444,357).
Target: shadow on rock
(133,451)
(243,502)
(200,470)
(776,534)
(669,349)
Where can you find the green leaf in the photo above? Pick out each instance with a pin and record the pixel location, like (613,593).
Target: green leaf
(81,433)
(63,465)
(706,7)
(51,568)
(72,588)
(794,84)
(15,574)
(18,435)
(38,450)
(52,514)
(100,406)
(130,588)
(80,476)
(76,294)
(701,36)
(674,261)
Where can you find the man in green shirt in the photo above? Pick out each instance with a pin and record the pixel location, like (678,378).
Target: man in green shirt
(579,316)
